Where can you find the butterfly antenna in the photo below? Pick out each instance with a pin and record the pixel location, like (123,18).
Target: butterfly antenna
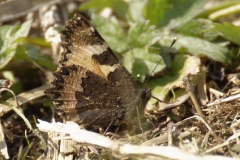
(166,52)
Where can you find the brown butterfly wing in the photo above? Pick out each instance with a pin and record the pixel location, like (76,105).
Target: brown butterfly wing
(91,85)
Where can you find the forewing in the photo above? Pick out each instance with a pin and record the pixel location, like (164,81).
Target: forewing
(91,86)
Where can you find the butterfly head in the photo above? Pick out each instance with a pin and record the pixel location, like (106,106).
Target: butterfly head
(145,94)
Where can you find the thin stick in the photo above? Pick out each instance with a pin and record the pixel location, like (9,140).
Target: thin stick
(194,100)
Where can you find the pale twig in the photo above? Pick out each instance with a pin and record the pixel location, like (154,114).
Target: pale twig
(228,99)
(121,149)
(216,92)
(233,126)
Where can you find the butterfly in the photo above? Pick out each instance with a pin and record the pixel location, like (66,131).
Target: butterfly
(91,86)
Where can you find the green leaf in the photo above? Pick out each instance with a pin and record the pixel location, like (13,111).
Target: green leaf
(23,30)
(134,13)
(7,55)
(32,54)
(198,47)
(4,30)
(228,31)
(154,10)
(40,59)
(112,32)
(141,34)
(195,28)
(9,35)
(182,11)
(118,6)
(182,67)
(142,61)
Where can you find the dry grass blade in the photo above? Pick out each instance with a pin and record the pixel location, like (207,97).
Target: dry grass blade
(15,102)
(23,98)
(16,107)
